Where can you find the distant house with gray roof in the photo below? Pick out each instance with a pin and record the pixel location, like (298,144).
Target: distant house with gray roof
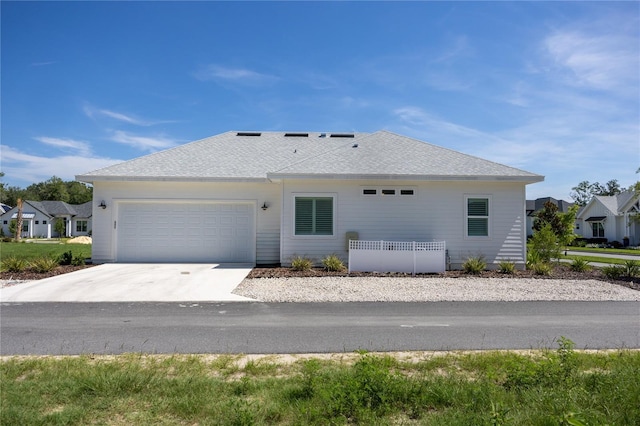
(267,197)
(535,206)
(611,217)
(38,219)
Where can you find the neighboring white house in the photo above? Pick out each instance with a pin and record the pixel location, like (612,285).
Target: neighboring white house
(265,197)
(534,206)
(38,219)
(611,217)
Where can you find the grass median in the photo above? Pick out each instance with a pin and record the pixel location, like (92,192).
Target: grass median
(560,386)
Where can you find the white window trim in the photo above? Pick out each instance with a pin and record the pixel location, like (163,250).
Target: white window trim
(466,217)
(332,195)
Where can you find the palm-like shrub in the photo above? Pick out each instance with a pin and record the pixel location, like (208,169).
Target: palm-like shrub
(474,265)
(333,263)
(301,263)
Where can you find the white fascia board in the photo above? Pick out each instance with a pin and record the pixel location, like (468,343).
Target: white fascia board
(92,179)
(524,179)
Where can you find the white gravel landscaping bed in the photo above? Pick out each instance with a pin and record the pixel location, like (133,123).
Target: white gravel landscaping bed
(396,289)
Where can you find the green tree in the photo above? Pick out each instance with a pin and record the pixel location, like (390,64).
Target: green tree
(585,190)
(79,193)
(53,189)
(544,244)
(60,227)
(561,224)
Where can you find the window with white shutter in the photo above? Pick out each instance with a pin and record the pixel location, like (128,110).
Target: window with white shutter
(477,217)
(313,215)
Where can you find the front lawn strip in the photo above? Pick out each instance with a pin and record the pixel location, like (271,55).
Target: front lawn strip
(560,386)
(30,251)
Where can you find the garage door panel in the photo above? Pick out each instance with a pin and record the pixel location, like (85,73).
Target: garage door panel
(184,232)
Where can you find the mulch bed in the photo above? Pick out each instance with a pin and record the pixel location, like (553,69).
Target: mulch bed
(30,276)
(559,272)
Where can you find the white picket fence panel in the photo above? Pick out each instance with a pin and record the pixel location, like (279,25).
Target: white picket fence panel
(397,256)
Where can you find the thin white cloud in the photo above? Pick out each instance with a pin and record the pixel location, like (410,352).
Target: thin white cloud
(42,64)
(82,148)
(236,75)
(597,60)
(125,118)
(144,143)
(93,112)
(19,166)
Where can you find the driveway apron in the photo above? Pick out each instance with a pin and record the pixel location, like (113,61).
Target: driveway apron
(121,282)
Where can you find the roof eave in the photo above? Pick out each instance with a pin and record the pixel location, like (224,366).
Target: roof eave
(93,179)
(405,177)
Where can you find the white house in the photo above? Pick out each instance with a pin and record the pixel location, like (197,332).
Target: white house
(265,197)
(38,218)
(611,218)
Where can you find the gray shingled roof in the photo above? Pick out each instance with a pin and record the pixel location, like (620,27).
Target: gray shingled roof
(53,208)
(272,155)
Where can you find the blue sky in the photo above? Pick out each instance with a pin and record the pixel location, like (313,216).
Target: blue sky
(549,87)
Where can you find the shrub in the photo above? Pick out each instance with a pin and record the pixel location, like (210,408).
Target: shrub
(65,258)
(77,261)
(301,263)
(507,267)
(13,264)
(613,272)
(43,265)
(474,265)
(580,265)
(631,268)
(542,268)
(545,245)
(333,263)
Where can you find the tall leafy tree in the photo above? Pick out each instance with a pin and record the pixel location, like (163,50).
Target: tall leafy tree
(561,224)
(585,190)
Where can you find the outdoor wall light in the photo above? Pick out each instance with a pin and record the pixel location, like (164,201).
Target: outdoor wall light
(265,206)
(102,205)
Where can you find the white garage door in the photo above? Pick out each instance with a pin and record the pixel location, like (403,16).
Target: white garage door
(185,232)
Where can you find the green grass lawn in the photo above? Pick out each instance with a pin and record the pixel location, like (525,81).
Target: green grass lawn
(546,387)
(628,252)
(596,259)
(30,251)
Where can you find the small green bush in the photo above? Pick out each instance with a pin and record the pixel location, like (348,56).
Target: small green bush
(301,264)
(613,272)
(333,263)
(65,258)
(77,261)
(43,265)
(631,268)
(507,267)
(14,264)
(542,268)
(474,265)
(580,265)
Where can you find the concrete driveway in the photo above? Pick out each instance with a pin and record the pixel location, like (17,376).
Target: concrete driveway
(122,282)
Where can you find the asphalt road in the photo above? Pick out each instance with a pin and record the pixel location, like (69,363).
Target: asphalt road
(112,328)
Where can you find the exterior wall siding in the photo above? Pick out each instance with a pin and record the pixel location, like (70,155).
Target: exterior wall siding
(267,221)
(436,212)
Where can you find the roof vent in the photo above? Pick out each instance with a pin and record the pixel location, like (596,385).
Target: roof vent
(342,135)
(355,145)
(296,135)
(248,134)
(323,135)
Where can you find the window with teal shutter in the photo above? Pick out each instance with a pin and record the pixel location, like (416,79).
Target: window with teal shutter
(314,216)
(477,217)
